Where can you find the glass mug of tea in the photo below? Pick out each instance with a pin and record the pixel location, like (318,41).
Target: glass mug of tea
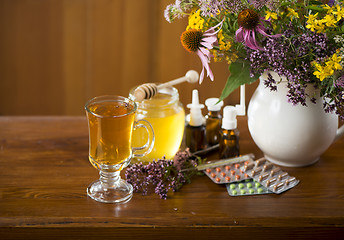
(111,121)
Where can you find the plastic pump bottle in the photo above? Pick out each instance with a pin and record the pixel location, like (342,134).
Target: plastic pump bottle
(213,121)
(229,134)
(195,129)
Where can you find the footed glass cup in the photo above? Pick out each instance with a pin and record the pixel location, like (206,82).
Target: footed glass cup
(111,121)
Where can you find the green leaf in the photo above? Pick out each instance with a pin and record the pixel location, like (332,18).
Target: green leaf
(315,8)
(239,75)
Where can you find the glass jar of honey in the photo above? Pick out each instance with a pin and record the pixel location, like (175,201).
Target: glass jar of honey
(167,116)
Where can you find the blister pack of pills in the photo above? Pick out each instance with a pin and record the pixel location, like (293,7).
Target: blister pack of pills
(269,175)
(246,188)
(227,174)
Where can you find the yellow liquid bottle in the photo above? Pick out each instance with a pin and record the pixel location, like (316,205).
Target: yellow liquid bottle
(166,115)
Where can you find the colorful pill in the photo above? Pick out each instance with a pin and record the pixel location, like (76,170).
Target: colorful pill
(263,177)
(260,161)
(228,168)
(260,190)
(248,167)
(267,167)
(232,186)
(241,186)
(271,181)
(242,191)
(251,190)
(249,185)
(274,171)
(208,170)
(246,176)
(228,179)
(257,184)
(213,175)
(233,172)
(237,166)
(282,176)
(237,177)
(218,179)
(256,171)
(278,186)
(218,169)
(246,163)
(223,174)
(234,192)
(290,180)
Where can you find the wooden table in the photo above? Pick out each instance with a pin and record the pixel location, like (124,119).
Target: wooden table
(45,171)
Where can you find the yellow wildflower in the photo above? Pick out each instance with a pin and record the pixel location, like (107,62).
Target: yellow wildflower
(223,45)
(328,8)
(339,13)
(270,15)
(195,21)
(323,72)
(334,62)
(292,13)
(312,22)
(329,20)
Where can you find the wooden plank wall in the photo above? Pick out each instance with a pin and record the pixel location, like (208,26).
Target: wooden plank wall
(57,54)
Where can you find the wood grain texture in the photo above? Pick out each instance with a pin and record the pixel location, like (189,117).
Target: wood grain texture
(44,172)
(57,54)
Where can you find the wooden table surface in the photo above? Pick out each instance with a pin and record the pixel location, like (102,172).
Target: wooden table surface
(45,171)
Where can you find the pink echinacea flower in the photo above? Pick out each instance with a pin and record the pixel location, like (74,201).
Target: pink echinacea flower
(250,22)
(194,40)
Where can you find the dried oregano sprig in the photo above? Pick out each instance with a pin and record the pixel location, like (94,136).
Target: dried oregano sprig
(163,174)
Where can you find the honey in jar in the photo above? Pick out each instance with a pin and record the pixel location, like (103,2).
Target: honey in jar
(167,116)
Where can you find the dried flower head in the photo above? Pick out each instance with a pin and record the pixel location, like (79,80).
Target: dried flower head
(191,39)
(248,19)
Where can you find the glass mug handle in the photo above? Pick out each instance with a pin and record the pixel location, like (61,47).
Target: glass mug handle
(150,141)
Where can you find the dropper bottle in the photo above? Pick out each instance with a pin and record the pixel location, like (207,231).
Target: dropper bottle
(229,134)
(195,129)
(213,121)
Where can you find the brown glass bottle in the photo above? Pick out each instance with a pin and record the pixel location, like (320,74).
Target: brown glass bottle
(212,127)
(195,129)
(229,143)
(213,121)
(195,137)
(229,134)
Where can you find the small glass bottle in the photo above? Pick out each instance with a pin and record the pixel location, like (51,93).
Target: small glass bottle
(229,134)
(213,121)
(195,129)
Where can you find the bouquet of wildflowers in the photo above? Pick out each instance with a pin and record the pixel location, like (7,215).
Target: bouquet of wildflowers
(302,40)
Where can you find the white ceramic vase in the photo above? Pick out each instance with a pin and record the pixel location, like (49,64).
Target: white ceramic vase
(288,135)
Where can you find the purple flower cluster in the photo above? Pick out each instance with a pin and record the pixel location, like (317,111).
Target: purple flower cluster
(212,7)
(291,56)
(163,175)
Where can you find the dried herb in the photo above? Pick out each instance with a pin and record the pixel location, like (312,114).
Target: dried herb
(163,175)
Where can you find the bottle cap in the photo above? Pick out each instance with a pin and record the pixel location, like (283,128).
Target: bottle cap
(213,105)
(196,117)
(229,120)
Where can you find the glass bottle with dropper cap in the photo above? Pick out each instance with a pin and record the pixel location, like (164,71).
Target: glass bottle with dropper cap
(229,134)
(213,121)
(195,129)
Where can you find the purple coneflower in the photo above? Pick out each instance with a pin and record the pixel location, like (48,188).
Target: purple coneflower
(194,40)
(249,22)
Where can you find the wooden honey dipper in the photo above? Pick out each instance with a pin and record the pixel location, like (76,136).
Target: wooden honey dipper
(148,90)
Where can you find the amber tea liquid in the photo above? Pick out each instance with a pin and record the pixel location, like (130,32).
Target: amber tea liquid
(110,131)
